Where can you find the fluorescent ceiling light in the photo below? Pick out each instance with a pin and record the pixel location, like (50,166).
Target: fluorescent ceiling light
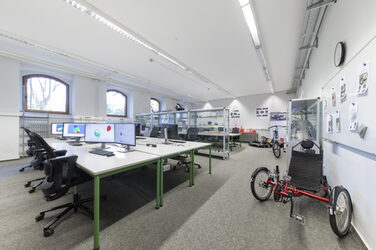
(250,19)
(243,2)
(251,22)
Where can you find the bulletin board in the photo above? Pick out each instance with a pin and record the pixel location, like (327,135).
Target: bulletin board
(349,101)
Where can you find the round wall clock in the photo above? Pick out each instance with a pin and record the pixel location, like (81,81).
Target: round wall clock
(339,54)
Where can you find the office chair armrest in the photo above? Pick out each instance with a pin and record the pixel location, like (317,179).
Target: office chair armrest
(39,150)
(61,152)
(67,158)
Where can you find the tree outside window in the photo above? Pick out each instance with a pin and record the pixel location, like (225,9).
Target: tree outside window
(45,93)
(155,105)
(116,103)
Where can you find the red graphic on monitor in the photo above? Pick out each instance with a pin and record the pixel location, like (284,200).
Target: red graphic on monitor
(108,128)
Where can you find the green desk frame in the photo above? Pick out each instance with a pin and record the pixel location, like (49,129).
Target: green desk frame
(159,198)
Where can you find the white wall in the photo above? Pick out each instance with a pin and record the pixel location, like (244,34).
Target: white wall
(247,107)
(351,168)
(9,108)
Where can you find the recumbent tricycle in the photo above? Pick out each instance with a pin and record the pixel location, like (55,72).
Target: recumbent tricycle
(305,178)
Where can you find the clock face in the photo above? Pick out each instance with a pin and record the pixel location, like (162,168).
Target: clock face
(339,54)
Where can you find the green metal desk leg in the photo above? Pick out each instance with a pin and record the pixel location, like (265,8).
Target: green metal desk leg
(210,160)
(193,167)
(96,211)
(161,184)
(190,168)
(159,163)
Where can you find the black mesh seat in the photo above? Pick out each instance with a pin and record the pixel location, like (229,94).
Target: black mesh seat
(306,170)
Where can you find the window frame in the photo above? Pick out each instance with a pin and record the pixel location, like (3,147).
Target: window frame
(126,103)
(25,78)
(159,105)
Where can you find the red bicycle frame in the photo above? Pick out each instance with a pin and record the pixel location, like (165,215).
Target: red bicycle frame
(295,192)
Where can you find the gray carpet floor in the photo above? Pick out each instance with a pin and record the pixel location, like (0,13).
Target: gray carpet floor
(218,212)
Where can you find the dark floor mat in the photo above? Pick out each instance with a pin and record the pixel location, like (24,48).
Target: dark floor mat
(306,170)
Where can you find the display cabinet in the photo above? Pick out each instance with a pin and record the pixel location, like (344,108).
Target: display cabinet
(214,128)
(145,121)
(159,118)
(181,118)
(304,122)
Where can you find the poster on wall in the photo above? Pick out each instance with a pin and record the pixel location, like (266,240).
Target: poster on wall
(262,112)
(353,117)
(363,79)
(338,121)
(329,125)
(343,89)
(278,116)
(334,97)
(235,113)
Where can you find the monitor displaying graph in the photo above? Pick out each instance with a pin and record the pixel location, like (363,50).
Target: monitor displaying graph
(125,133)
(74,130)
(96,132)
(57,128)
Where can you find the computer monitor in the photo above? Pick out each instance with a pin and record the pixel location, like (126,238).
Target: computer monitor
(100,132)
(74,130)
(125,134)
(172,131)
(57,128)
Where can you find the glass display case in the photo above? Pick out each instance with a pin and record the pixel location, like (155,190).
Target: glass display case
(214,128)
(304,122)
(159,118)
(145,121)
(181,118)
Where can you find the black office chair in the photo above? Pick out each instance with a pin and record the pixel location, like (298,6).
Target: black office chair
(40,157)
(34,150)
(154,132)
(192,135)
(62,173)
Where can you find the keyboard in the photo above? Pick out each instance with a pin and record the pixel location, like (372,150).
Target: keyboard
(140,138)
(75,143)
(101,152)
(177,141)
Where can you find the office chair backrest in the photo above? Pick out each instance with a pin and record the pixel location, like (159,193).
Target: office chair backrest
(38,139)
(59,175)
(235,130)
(154,132)
(192,134)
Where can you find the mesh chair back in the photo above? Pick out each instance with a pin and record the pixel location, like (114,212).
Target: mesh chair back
(154,132)
(192,134)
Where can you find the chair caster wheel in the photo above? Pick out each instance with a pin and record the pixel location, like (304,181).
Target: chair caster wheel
(39,217)
(27,184)
(32,190)
(48,232)
(187,170)
(21,170)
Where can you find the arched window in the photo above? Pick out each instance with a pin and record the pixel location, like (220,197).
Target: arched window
(116,103)
(155,105)
(45,93)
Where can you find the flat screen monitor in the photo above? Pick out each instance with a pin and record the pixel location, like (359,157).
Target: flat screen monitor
(100,132)
(125,133)
(74,130)
(57,128)
(172,131)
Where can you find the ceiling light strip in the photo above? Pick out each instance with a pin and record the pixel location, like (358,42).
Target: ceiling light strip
(133,38)
(251,22)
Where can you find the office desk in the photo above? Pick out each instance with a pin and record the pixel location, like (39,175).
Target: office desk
(168,151)
(99,167)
